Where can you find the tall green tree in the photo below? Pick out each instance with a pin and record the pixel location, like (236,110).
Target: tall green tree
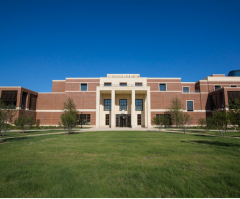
(185,120)
(234,112)
(24,122)
(69,116)
(175,110)
(221,120)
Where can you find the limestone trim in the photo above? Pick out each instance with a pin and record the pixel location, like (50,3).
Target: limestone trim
(81,110)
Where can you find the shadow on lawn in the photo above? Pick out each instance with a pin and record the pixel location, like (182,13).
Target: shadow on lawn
(16,139)
(215,143)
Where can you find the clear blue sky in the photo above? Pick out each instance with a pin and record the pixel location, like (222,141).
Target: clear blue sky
(45,40)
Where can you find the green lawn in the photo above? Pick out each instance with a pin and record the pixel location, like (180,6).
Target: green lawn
(120,164)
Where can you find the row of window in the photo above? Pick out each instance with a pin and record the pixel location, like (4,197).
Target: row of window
(162,87)
(123,104)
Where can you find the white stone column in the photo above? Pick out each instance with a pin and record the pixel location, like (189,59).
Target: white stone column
(113,115)
(133,115)
(145,111)
(98,108)
(149,108)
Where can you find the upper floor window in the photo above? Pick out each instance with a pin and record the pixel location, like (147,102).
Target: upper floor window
(139,104)
(217,87)
(162,87)
(24,99)
(107,84)
(185,89)
(189,105)
(233,85)
(123,84)
(107,105)
(83,87)
(123,104)
(138,84)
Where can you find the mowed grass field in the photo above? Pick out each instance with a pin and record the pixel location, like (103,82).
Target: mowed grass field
(120,164)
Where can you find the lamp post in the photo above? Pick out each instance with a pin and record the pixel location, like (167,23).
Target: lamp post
(81,120)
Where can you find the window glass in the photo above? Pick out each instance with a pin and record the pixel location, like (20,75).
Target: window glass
(138,84)
(139,104)
(186,89)
(217,87)
(107,105)
(123,104)
(189,105)
(162,87)
(233,86)
(123,84)
(107,84)
(107,119)
(84,118)
(33,102)
(83,87)
(139,119)
(24,97)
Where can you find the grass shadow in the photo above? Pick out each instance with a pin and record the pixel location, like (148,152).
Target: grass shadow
(207,136)
(15,139)
(215,143)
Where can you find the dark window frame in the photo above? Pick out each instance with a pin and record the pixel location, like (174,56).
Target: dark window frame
(123,84)
(107,84)
(189,108)
(162,89)
(107,119)
(84,89)
(184,89)
(139,119)
(122,105)
(137,104)
(107,104)
(138,84)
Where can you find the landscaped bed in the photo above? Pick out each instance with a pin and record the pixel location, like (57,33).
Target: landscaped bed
(120,164)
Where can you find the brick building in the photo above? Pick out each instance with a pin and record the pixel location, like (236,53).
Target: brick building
(124,100)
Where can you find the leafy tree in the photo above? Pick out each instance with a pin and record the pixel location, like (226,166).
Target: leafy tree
(24,122)
(234,112)
(185,120)
(175,110)
(69,116)
(202,122)
(6,117)
(156,121)
(221,120)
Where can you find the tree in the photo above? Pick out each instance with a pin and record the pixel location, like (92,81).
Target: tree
(6,118)
(69,116)
(175,110)
(24,122)
(221,120)
(234,112)
(185,120)
(156,121)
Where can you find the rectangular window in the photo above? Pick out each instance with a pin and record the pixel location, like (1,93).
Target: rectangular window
(123,84)
(107,119)
(123,104)
(9,98)
(83,87)
(139,119)
(107,84)
(24,97)
(185,89)
(217,87)
(189,105)
(139,104)
(107,105)
(233,86)
(138,84)
(162,87)
(84,118)
(33,102)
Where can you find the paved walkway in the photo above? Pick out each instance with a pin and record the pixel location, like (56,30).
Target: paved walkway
(120,129)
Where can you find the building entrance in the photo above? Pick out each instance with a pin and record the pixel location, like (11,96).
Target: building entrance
(123,120)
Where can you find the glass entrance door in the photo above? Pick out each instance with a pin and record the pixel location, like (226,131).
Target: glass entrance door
(123,120)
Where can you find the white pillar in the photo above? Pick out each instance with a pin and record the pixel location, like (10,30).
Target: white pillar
(133,116)
(149,108)
(145,111)
(113,115)
(98,109)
